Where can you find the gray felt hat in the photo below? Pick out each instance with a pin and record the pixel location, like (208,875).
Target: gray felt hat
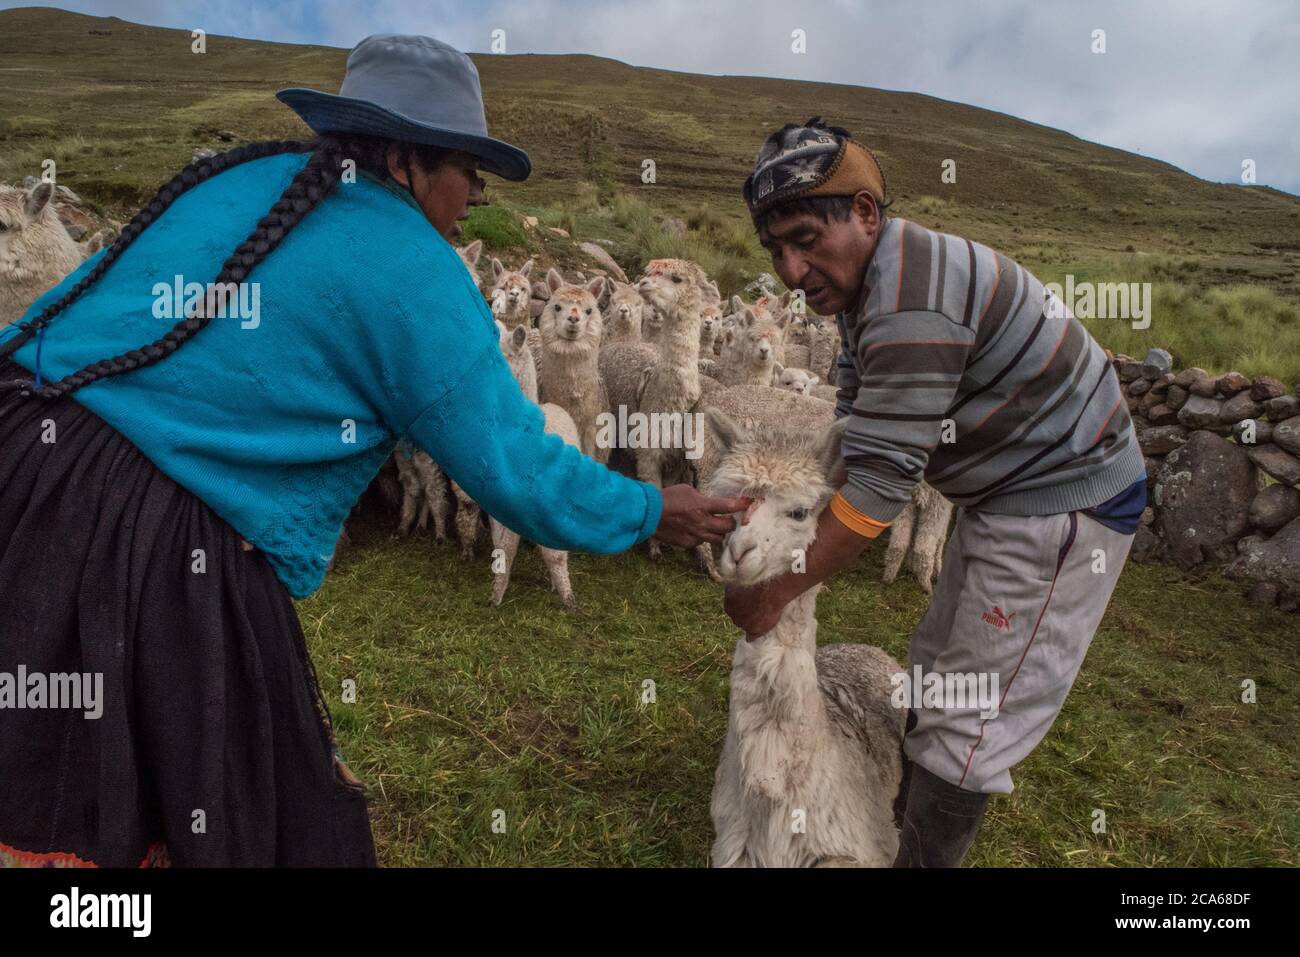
(410,88)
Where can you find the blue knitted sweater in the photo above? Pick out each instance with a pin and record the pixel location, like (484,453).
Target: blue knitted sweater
(367,327)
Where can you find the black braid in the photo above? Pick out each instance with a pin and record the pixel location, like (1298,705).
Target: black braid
(308,188)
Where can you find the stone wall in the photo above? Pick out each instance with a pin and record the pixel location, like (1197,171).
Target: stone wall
(1223,463)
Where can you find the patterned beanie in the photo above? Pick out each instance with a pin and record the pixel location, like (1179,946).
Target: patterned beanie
(811,160)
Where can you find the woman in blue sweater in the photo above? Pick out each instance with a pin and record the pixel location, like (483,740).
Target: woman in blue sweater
(159,509)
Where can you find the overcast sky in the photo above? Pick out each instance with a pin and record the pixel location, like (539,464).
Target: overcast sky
(1202,84)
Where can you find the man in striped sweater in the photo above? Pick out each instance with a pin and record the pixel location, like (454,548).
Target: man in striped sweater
(957,369)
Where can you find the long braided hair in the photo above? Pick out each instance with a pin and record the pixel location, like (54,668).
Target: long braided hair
(312,183)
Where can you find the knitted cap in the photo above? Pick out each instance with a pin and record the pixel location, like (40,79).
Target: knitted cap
(810,160)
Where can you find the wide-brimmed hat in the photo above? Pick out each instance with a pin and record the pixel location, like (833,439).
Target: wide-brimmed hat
(410,88)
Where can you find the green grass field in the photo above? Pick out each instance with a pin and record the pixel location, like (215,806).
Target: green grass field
(464,709)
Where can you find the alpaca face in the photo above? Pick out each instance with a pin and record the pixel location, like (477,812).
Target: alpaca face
(759,339)
(571,321)
(710,323)
(626,309)
(787,475)
(510,293)
(798,381)
(671,285)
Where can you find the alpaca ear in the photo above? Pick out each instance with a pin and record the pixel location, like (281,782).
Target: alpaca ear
(501,329)
(520,337)
(473,251)
(777,371)
(497,268)
(832,441)
(526,268)
(737,304)
(750,318)
(784,301)
(598,288)
(38,199)
(814,380)
(725,429)
(553,279)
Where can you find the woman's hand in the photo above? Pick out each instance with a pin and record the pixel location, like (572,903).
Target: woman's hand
(690,517)
(756,608)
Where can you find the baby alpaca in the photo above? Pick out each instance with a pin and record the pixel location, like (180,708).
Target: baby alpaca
(570,326)
(801,382)
(812,761)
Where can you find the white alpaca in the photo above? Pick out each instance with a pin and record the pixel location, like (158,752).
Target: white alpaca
(812,760)
(36,251)
(754,350)
(801,382)
(571,328)
(920,531)
(623,314)
(514,344)
(510,294)
(674,288)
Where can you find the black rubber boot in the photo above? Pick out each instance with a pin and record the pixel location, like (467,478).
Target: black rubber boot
(939,823)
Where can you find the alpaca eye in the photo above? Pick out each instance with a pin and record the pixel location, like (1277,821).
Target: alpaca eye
(677,278)
(799,514)
(588,310)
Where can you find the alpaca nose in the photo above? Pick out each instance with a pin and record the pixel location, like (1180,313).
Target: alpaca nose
(739,548)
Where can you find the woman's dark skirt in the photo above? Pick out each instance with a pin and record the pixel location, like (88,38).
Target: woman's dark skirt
(213,745)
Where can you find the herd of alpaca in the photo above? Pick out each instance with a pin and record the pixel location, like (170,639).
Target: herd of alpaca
(811,764)
(664,344)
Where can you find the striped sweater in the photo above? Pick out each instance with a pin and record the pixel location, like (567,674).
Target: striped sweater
(953,370)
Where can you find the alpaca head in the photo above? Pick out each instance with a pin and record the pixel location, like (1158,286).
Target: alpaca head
(469,256)
(787,474)
(510,293)
(758,338)
(798,381)
(32,237)
(673,287)
(571,321)
(625,310)
(710,324)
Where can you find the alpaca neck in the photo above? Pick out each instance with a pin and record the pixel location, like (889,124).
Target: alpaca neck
(782,664)
(679,342)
